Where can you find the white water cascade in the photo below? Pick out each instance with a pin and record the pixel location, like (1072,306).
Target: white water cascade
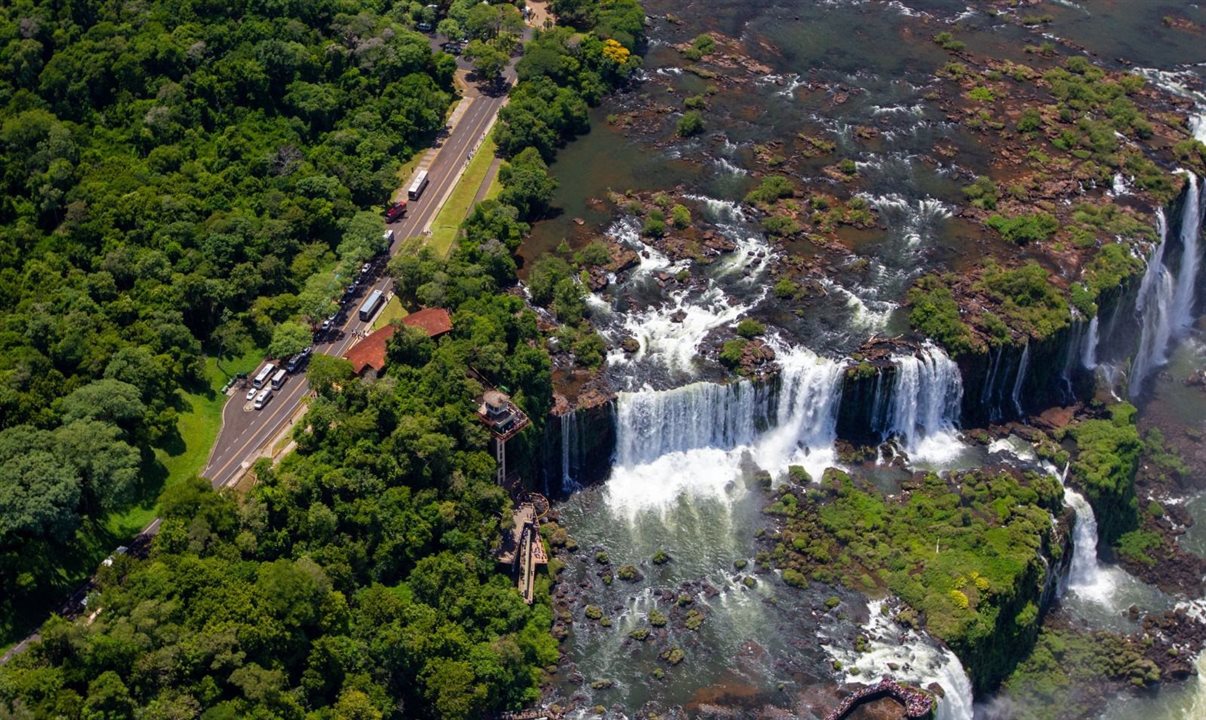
(1015,395)
(1088,351)
(924,403)
(1191,229)
(1152,306)
(1086,577)
(651,424)
(1165,304)
(693,439)
(569,450)
(911,657)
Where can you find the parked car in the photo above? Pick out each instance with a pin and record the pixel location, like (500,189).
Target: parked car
(251,393)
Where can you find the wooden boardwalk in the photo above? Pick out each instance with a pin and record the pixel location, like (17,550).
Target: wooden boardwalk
(522,550)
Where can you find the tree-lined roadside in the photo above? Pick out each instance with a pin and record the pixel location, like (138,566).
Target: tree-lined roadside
(356,578)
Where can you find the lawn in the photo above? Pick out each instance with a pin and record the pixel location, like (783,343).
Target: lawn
(495,187)
(460,202)
(392,311)
(198,424)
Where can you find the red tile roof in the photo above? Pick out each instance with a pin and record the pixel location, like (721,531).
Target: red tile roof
(435,321)
(370,352)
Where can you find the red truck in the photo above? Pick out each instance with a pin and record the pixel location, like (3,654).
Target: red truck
(396,211)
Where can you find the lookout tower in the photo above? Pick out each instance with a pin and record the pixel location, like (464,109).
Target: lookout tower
(505,420)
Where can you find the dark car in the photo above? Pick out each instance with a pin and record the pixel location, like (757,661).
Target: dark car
(395,212)
(299,360)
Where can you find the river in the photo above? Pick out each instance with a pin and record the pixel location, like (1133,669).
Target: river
(682,503)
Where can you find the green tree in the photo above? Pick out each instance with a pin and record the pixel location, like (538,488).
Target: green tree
(488,60)
(39,498)
(106,465)
(289,338)
(108,698)
(450,29)
(326,372)
(108,400)
(527,184)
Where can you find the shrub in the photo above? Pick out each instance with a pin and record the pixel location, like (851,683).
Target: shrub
(947,41)
(731,351)
(1137,546)
(981,94)
(1022,229)
(680,216)
(780,226)
(982,193)
(786,288)
(935,314)
(654,225)
(594,253)
(690,124)
(772,188)
(750,328)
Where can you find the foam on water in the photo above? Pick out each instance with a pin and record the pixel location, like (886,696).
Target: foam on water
(910,657)
(692,441)
(914,218)
(672,334)
(865,313)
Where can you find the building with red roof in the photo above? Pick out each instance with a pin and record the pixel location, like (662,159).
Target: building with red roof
(368,355)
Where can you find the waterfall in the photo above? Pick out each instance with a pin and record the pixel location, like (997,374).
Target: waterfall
(569,452)
(805,429)
(1151,305)
(653,423)
(1085,577)
(925,399)
(1165,304)
(1088,350)
(1187,275)
(908,656)
(1015,395)
(694,439)
(956,704)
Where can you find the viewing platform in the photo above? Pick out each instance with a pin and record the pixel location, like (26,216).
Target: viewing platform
(918,704)
(503,417)
(522,550)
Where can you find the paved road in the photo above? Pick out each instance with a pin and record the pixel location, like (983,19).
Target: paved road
(246,431)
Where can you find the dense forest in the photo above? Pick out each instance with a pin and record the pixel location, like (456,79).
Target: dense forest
(179,178)
(356,579)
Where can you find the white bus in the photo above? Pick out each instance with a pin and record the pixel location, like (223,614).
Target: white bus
(370,305)
(262,399)
(263,376)
(418,186)
(279,378)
